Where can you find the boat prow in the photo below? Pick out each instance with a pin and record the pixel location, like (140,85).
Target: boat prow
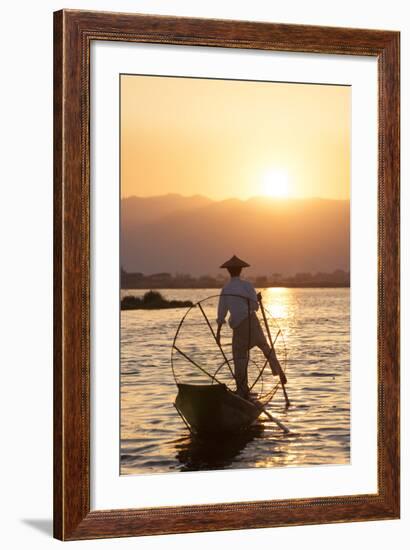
(212,409)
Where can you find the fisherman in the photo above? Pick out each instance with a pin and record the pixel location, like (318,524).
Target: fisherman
(240,299)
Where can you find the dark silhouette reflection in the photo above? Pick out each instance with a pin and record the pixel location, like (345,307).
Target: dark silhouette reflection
(215,452)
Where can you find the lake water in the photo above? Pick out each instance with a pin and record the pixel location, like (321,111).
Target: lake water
(313,345)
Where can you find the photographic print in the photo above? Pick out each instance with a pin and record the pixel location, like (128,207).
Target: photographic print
(235,274)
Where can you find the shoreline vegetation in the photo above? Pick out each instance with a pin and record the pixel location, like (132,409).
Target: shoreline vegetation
(152,300)
(139,281)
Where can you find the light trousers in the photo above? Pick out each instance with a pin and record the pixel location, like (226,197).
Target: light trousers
(247,335)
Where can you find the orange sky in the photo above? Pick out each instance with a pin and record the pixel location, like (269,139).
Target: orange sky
(223,138)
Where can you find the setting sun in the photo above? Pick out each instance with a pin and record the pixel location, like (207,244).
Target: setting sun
(275,183)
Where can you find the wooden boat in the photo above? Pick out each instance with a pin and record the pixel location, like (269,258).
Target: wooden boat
(212,409)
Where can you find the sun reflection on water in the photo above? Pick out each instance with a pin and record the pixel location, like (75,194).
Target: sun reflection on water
(279,302)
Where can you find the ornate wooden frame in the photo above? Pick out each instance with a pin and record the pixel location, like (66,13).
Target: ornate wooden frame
(73,33)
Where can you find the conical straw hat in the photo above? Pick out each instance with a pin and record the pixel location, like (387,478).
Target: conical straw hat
(235,262)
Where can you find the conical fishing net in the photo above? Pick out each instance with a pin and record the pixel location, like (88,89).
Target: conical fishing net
(198,359)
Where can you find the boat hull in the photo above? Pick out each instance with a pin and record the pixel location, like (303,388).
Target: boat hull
(214,409)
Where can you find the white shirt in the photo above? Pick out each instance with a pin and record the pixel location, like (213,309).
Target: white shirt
(239,308)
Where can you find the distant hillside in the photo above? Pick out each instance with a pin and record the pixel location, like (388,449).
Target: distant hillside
(195,235)
(137,210)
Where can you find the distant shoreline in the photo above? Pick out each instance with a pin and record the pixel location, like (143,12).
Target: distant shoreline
(203,287)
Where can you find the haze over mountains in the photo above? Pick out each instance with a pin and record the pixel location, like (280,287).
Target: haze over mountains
(176,234)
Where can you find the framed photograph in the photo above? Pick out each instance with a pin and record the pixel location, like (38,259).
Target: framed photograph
(226,275)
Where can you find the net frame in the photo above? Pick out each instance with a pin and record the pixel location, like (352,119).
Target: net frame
(263,397)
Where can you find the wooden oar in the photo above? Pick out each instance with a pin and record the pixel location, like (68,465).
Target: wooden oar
(271,345)
(278,422)
(259,406)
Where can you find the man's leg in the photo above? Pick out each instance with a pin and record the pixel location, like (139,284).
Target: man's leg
(240,352)
(269,353)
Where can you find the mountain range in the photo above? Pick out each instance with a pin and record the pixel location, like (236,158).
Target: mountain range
(177,234)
